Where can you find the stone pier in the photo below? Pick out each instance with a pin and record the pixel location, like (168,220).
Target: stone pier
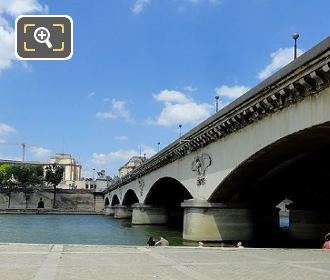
(109,211)
(308,224)
(148,215)
(266,222)
(206,221)
(122,212)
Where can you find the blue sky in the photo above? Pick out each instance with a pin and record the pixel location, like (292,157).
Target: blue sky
(140,68)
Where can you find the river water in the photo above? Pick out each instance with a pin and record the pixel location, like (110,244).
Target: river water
(81,229)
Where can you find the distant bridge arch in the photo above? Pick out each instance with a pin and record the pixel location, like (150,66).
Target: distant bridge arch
(130,198)
(115,200)
(167,191)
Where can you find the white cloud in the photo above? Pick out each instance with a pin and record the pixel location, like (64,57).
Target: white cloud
(121,138)
(91,94)
(18,7)
(149,151)
(121,156)
(189,89)
(139,6)
(7,46)
(6,129)
(118,110)
(212,2)
(279,58)
(101,158)
(10,157)
(3,141)
(12,8)
(40,152)
(105,115)
(119,106)
(86,173)
(231,92)
(180,109)
(171,96)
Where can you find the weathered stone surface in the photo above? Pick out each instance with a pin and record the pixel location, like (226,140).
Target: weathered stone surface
(204,222)
(147,215)
(65,200)
(109,211)
(122,212)
(66,262)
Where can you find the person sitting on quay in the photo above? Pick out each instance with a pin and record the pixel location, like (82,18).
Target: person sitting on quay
(151,241)
(162,242)
(239,245)
(326,244)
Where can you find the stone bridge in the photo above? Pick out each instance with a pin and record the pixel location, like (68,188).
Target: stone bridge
(223,179)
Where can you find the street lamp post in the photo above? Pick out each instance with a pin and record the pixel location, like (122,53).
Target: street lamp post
(158,144)
(295,36)
(180,126)
(93,174)
(217,103)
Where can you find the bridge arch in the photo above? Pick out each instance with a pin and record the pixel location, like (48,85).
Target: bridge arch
(284,169)
(169,193)
(294,168)
(115,200)
(130,198)
(106,202)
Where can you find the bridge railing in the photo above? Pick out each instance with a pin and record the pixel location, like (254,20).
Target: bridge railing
(306,75)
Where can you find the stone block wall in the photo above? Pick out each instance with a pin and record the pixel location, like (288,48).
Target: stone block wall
(65,200)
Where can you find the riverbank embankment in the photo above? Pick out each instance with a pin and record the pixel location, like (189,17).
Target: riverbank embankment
(40,211)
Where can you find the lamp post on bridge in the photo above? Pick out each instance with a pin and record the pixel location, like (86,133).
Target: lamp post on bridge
(180,126)
(295,36)
(217,103)
(158,144)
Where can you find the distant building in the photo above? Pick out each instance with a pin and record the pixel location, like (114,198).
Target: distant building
(100,184)
(133,163)
(72,173)
(72,170)
(102,181)
(87,184)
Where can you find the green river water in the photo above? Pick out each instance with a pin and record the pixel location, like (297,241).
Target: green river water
(80,229)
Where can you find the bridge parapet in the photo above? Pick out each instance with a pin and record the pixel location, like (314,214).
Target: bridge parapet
(303,77)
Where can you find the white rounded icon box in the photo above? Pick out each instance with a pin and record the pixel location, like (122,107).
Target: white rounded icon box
(44,37)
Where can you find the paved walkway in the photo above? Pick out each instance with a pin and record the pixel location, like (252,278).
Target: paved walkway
(63,262)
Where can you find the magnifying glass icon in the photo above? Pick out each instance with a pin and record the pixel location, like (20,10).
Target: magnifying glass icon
(42,35)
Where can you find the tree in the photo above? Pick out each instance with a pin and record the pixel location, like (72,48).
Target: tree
(36,175)
(5,174)
(54,176)
(27,176)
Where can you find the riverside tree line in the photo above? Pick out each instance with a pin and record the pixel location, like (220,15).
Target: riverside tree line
(28,178)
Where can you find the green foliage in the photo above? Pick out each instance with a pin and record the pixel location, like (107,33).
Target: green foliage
(54,174)
(26,176)
(36,175)
(5,173)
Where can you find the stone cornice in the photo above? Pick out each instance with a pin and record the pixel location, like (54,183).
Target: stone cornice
(305,76)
